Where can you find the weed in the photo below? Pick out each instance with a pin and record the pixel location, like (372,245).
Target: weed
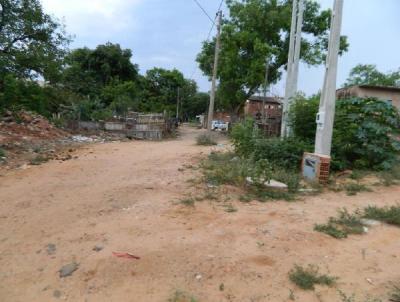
(221,287)
(2,153)
(205,139)
(307,278)
(354,188)
(180,296)
(342,226)
(357,174)
(390,215)
(395,293)
(230,208)
(291,295)
(188,202)
(210,195)
(38,160)
(245,198)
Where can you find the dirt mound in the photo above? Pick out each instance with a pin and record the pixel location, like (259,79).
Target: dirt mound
(27,126)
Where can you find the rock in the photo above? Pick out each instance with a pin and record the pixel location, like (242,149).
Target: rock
(68,269)
(370,222)
(51,249)
(98,248)
(271,184)
(198,277)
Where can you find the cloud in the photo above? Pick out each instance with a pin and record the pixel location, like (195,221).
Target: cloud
(94,19)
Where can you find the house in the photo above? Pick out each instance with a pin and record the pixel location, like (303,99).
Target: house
(271,125)
(390,94)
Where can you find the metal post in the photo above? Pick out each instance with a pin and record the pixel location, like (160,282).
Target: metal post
(214,77)
(326,114)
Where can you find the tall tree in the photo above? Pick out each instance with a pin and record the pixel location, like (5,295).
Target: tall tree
(370,75)
(257,30)
(32,43)
(88,70)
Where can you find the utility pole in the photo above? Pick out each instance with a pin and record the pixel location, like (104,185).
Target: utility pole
(293,62)
(326,114)
(177,105)
(214,76)
(265,88)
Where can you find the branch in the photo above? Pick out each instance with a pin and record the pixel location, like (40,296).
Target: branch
(15,40)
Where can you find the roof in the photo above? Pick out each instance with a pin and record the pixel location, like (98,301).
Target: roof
(268,99)
(376,87)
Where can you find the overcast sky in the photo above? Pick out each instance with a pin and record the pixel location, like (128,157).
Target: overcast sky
(168,33)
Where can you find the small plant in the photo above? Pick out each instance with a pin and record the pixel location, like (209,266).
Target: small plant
(38,160)
(307,278)
(205,139)
(390,215)
(342,226)
(354,188)
(180,296)
(230,208)
(2,153)
(188,202)
(395,293)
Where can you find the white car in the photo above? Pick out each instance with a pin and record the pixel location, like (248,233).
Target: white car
(217,125)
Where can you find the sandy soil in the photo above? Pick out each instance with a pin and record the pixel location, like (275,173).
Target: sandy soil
(123,196)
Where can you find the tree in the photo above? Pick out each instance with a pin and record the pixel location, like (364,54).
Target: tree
(370,75)
(257,30)
(88,71)
(32,43)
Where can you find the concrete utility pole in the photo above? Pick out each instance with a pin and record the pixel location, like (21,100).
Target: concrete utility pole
(177,105)
(293,62)
(214,77)
(326,114)
(265,88)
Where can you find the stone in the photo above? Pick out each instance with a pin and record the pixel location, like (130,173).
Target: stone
(98,248)
(370,222)
(271,184)
(51,249)
(68,269)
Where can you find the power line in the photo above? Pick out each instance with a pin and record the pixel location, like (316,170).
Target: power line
(204,11)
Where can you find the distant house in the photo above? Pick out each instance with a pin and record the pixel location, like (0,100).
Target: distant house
(385,93)
(273,113)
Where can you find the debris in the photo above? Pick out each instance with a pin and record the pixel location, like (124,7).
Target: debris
(82,139)
(98,248)
(51,249)
(125,255)
(369,281)
(370,222)
(57,293)
(68,269)
(221,287)
(198,277)
(271,184)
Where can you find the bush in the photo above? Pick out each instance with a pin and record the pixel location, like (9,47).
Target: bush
(205,139)
(362,134)
(307,278)
(390,215)
(244,136)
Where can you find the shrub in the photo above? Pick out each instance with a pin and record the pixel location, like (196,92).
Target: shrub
(243,136)
(2,152)
(342,226)
(307,278)
(395,293)
(354,188)
(205,139)
(390,215)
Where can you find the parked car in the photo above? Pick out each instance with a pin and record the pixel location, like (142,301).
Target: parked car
(218,125)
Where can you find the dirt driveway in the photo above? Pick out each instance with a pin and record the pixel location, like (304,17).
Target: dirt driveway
(122,197)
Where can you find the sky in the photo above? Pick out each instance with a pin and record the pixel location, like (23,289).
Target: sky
(169,33)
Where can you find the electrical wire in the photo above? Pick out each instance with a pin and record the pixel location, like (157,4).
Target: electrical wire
(204,11)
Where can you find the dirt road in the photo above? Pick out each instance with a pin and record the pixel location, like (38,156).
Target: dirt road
(123,197)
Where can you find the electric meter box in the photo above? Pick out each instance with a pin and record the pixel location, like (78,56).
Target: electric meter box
(320,120)
(316,167)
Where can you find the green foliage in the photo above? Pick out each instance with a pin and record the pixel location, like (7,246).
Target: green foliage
(38,160)
(390,215)
(342,226)
(188,202)
(180,296)
(32,43)
(256,30)
(369,75)
(363,132)
(2,153)
(307,278)
(353,188)
(395,293)
(206,139)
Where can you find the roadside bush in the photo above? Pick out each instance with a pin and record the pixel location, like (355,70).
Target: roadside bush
(363,131)
(390,215)
(307,278)
(244,136)
(205,139)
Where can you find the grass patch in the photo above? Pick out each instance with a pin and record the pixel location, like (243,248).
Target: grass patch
(205,139)
(38,160)
(342,226)
(180,296)
(354,188)
(307,278)
(395,293)
(390,215)
(228,169)
(188,202)
(2,152)
(230,208)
